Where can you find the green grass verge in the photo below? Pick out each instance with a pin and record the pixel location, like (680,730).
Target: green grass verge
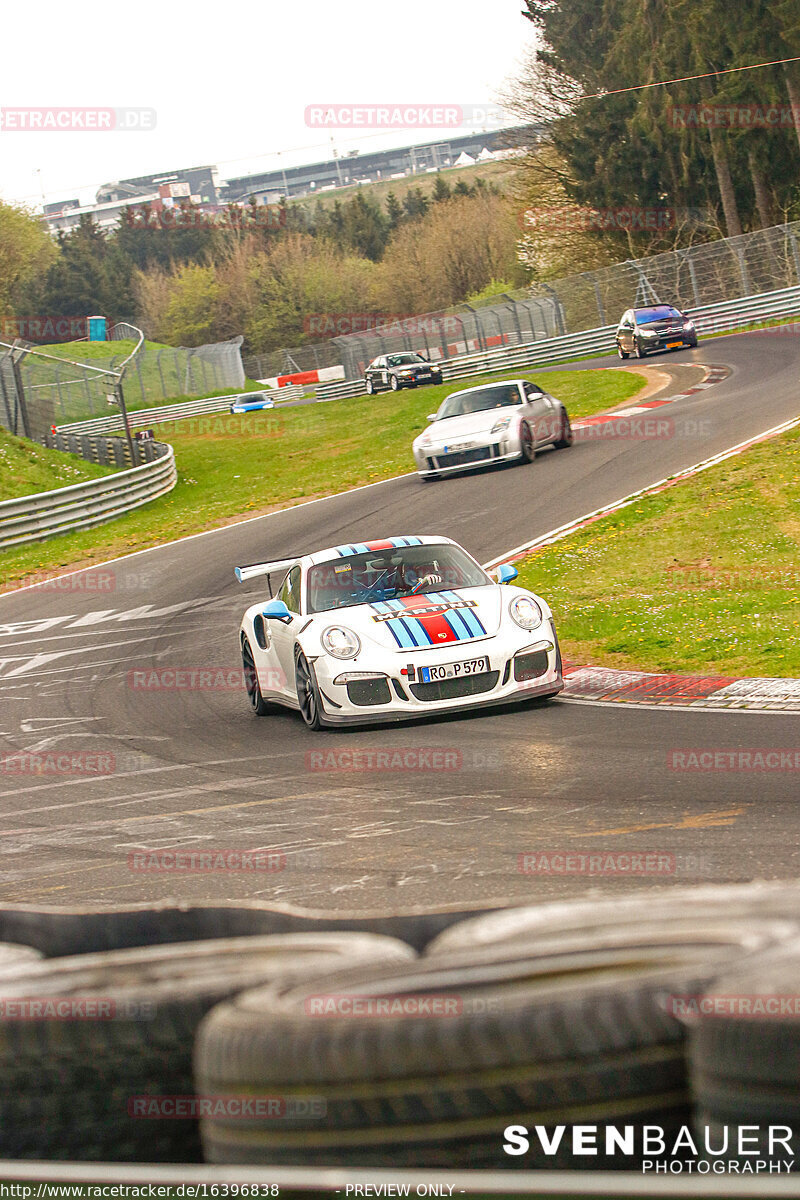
(231,467)
(702,578)
(26,467)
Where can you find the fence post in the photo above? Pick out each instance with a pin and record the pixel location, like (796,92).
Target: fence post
(120,395)
(795,254)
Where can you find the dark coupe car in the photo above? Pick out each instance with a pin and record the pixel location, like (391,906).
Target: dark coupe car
(404,369)
(661,327)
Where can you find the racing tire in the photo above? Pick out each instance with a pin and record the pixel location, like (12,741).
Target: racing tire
(564,1033)
(394,383)
(565,917)
(370,387)
(622,353)
(746,1066)
(59,932)
(527,448)
(83,1088)
(566,436)
(13,955)
(639,349)
(307,691)
(258,704)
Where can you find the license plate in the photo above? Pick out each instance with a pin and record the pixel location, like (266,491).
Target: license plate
(457,447)
(473,666)
(674,345)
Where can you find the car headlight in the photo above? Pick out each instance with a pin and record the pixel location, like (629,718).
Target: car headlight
(340,642)
(525,612)
(423,441)
(688,326)
(501,424)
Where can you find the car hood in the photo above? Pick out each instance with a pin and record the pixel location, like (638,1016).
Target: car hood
(454,428)
(664,323)
(444,618)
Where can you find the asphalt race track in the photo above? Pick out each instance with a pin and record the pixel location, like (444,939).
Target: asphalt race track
(193,768)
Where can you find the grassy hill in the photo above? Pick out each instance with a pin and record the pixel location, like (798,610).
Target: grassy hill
(26,467)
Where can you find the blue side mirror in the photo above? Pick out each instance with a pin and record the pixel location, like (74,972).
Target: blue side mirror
(276,610)
(505,573)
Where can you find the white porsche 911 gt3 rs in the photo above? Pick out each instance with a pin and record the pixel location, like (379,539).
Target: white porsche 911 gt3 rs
(489,424)
(395,629)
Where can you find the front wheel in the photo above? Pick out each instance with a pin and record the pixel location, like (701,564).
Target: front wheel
(639,349)
(370,388)
(307,691)
(566,437)
(395,384)
(258,704)
(622,353)
(527,449)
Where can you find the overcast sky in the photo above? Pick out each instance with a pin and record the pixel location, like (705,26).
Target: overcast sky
(230,83)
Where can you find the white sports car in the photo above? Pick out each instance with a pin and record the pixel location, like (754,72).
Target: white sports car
(395,629)
(492,423)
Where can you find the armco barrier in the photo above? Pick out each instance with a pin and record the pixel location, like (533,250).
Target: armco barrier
(84,505)
(143,417)
(712,318)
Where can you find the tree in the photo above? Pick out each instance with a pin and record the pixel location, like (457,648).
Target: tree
(441,189)
(394,212)
(26,251)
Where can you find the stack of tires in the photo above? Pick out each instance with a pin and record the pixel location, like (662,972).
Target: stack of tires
(287,1041)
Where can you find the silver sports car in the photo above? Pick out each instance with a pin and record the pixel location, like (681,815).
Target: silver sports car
(492,423)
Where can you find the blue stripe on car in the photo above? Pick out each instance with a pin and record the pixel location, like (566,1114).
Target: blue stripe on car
(398,629)
(468,615)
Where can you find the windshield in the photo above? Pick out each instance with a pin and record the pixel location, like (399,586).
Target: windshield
(645,315)
(382,575)
(404,360)
(479,400)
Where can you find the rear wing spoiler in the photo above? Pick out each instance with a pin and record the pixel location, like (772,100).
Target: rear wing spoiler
(270,568)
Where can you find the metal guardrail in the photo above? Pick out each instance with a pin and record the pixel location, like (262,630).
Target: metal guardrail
(84,505)
(143,417)
(711,318)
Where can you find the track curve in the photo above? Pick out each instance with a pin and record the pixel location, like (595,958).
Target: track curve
(191,768)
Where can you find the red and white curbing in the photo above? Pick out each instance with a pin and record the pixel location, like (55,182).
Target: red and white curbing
(606,685)
(712,376)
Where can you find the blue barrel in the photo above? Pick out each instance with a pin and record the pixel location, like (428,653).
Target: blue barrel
(97,329)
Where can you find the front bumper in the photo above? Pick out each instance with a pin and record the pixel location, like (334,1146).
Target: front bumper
(661,343)
(431,460)
(520,668)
